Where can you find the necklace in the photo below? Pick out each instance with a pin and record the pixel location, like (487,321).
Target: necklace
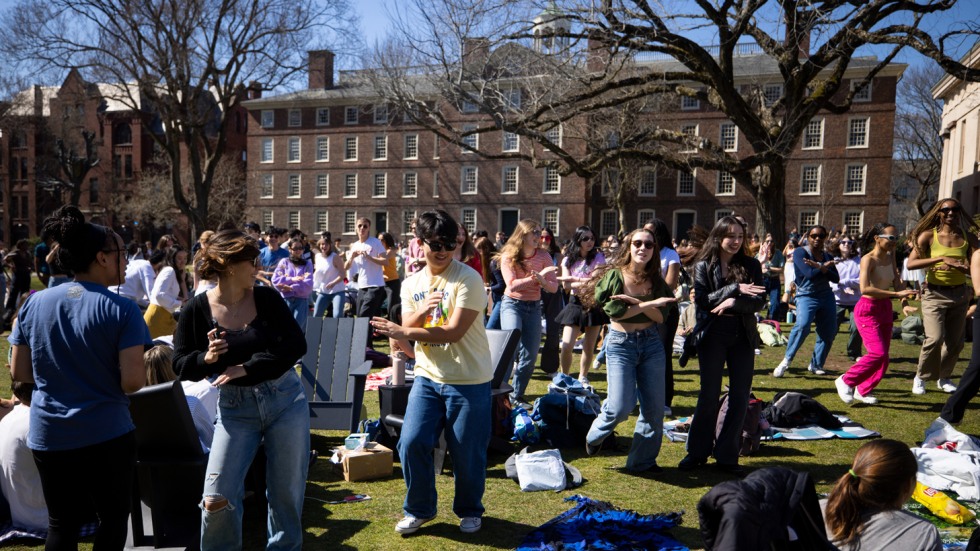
(232,310)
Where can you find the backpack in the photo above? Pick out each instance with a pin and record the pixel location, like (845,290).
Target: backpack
(913,332)
(752,427)
(566,413)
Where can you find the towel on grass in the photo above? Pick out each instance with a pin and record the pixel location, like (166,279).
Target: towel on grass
(674,431)
(8,532)
(599,525)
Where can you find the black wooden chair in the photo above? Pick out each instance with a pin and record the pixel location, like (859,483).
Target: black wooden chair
(334,371)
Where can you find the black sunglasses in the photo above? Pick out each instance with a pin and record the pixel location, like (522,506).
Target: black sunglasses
(645,244)
(818,236)
(439,246)
(947,210)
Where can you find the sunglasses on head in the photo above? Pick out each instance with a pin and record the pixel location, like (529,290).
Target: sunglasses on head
(439,246)
(888,237)
(641,243)
(948,210)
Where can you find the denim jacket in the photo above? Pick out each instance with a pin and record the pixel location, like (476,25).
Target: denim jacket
(711,289)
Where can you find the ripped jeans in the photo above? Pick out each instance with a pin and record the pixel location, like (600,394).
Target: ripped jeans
(276,411)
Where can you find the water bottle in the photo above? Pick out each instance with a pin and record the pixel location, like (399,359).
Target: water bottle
(398,362)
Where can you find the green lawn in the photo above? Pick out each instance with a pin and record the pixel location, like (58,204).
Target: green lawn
(511,514)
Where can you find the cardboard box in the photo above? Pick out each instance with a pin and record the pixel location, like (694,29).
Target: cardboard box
(371,462)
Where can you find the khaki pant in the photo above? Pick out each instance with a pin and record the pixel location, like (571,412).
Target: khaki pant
(944,321)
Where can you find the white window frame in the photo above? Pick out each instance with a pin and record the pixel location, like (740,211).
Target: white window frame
(268,146)
(851,227)
(803,179)
(321,221)
(380,113)
(294,186)
(555,131)
(268,219)
(347,142)
(268,118)
(323,179)
(347,180)
(380,150)
(512,98)
(293,219)
(472,140)
(295,118)
(771,93)
(721,213)
(510,136)
(408,216)
(546,174)
(463,172)
(350,222)
(645,215)
(806,226)
(722,138)
(323,116)
(267,186)
(690,104)
(719,192)
(323,149)
(556,224)
(819,123)
(503,179)
(850,132)
(864,95)
(614,216)
(464,213)
(409,155)
(644,172)
(294,149)
(685,130)
(352,114)
(468,107)
(384,185)
(694,182)
(435,183)
(414,192)
(864,178)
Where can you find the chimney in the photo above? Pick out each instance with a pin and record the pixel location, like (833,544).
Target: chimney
(321,69)
(254,90)
(38,101)
(599,53)
(475,50)
(795,23)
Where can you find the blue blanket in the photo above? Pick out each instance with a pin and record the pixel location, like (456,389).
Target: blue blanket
(599,525)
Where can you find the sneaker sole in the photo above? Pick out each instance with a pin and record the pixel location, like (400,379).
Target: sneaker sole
(471,530)
(411,530)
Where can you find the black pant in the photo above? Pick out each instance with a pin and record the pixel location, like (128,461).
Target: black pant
(667,330)
(20,284)
(393,291)
(969,384)
(726,342)
(369,301)
(551,305)
(77,483)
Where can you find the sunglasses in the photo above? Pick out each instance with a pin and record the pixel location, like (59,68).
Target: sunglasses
(948,210)
(587,238)
(888,237)
(639,243)
(846,242)
(359,226)
(439,246)
(818,236)
(545,238)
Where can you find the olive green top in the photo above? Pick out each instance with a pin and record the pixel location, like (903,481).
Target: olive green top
(612,284)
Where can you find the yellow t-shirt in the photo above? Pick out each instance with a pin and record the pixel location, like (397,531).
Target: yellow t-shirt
(466,362)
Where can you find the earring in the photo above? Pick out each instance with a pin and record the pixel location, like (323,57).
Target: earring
(231,273)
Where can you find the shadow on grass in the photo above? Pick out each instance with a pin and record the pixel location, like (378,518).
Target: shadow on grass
(340,530)
(497,533)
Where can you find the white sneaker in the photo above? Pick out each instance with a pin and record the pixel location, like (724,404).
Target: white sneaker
(869,399)
(780,369)
(815,370)
(582,379)
(468,525)
(946,385)
(758,352)
(845,391)
(918,386)
(410,524)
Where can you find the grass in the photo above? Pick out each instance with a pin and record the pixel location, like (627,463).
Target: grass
(511,514)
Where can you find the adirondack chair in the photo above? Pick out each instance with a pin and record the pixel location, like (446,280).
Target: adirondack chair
(334,371)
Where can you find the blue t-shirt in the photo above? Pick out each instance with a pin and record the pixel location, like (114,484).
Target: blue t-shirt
(75,333)
(270,258)
(41,254)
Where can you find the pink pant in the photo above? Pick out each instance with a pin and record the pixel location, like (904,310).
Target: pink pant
(873,317)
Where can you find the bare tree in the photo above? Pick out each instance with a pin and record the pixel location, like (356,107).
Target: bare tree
(918,136)
(611,52)
(183,65)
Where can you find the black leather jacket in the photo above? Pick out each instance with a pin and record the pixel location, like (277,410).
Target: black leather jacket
(711,289)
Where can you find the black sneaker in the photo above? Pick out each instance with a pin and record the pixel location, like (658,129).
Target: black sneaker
(689,463)
(592,449)
(732,469)
(655,469)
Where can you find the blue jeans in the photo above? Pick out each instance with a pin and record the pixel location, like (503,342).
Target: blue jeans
(300,308)
(635,366)
(276,411)
(493,322)
(334,300)
(464,412)
(526,316)
(822,309)
(773,303)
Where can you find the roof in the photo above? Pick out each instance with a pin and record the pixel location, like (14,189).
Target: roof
(22,104)
(949,83)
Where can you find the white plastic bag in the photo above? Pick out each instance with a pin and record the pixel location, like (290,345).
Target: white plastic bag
(541,470)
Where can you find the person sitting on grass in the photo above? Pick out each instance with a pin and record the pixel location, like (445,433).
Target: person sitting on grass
(19,480)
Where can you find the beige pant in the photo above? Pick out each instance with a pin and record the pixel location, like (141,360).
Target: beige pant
(944,321)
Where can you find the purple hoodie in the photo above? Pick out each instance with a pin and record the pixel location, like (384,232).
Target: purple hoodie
(285,273)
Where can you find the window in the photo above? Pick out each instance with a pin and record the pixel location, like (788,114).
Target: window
(468,219)
(322,149)
(380,113)
(854,179)
(322,185)
(293,219)
(468,107)
(320,221)
(267,219)
(293,189)
(690,131)
(350,115)
(509,179)
(729,137)
(643,216)
(350,148)
(122,134)
(512,98)
(608,222)
(854,220)
(435,184)
(266,156)
(864,94)
(268,118)
(726,184)
(553,134)
(267,187)
(610,182)
(810,180)
(322,116)
(549,219)
(410,187)
(408,216)
(648,182)
(295,117)
(122,166)
(771,93)
(411,146)
(690,104)
(809,218)
(380,148)
(468,180)
(380,187)
(813,135)
(350,221)
(857,133)
(471,140)
(292,155)
(435,146)
(511,141)
(721,213)
(93,194)
(552,180)
(350,185)
(685,182)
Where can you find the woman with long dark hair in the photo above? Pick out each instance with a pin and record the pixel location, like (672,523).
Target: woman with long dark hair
(582,257)
(246,338)
(293,278)
(864,509)
(465,250)
(632,292)
(815,270)
(944,240)
(728,291)
(82,345)
(552,303)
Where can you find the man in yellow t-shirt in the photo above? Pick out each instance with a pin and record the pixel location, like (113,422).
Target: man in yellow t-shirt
(442,311)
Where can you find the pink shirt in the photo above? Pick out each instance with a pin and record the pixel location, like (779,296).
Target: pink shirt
(414,252)
(520,284)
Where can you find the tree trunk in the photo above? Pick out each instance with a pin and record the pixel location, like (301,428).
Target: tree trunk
(770,200)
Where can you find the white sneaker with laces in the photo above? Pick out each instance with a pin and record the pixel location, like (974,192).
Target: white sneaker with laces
(781,368)
(918,386)
(410,524)
(869,399)
(468,525)
(845,391)
(815,370)
(946,385)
